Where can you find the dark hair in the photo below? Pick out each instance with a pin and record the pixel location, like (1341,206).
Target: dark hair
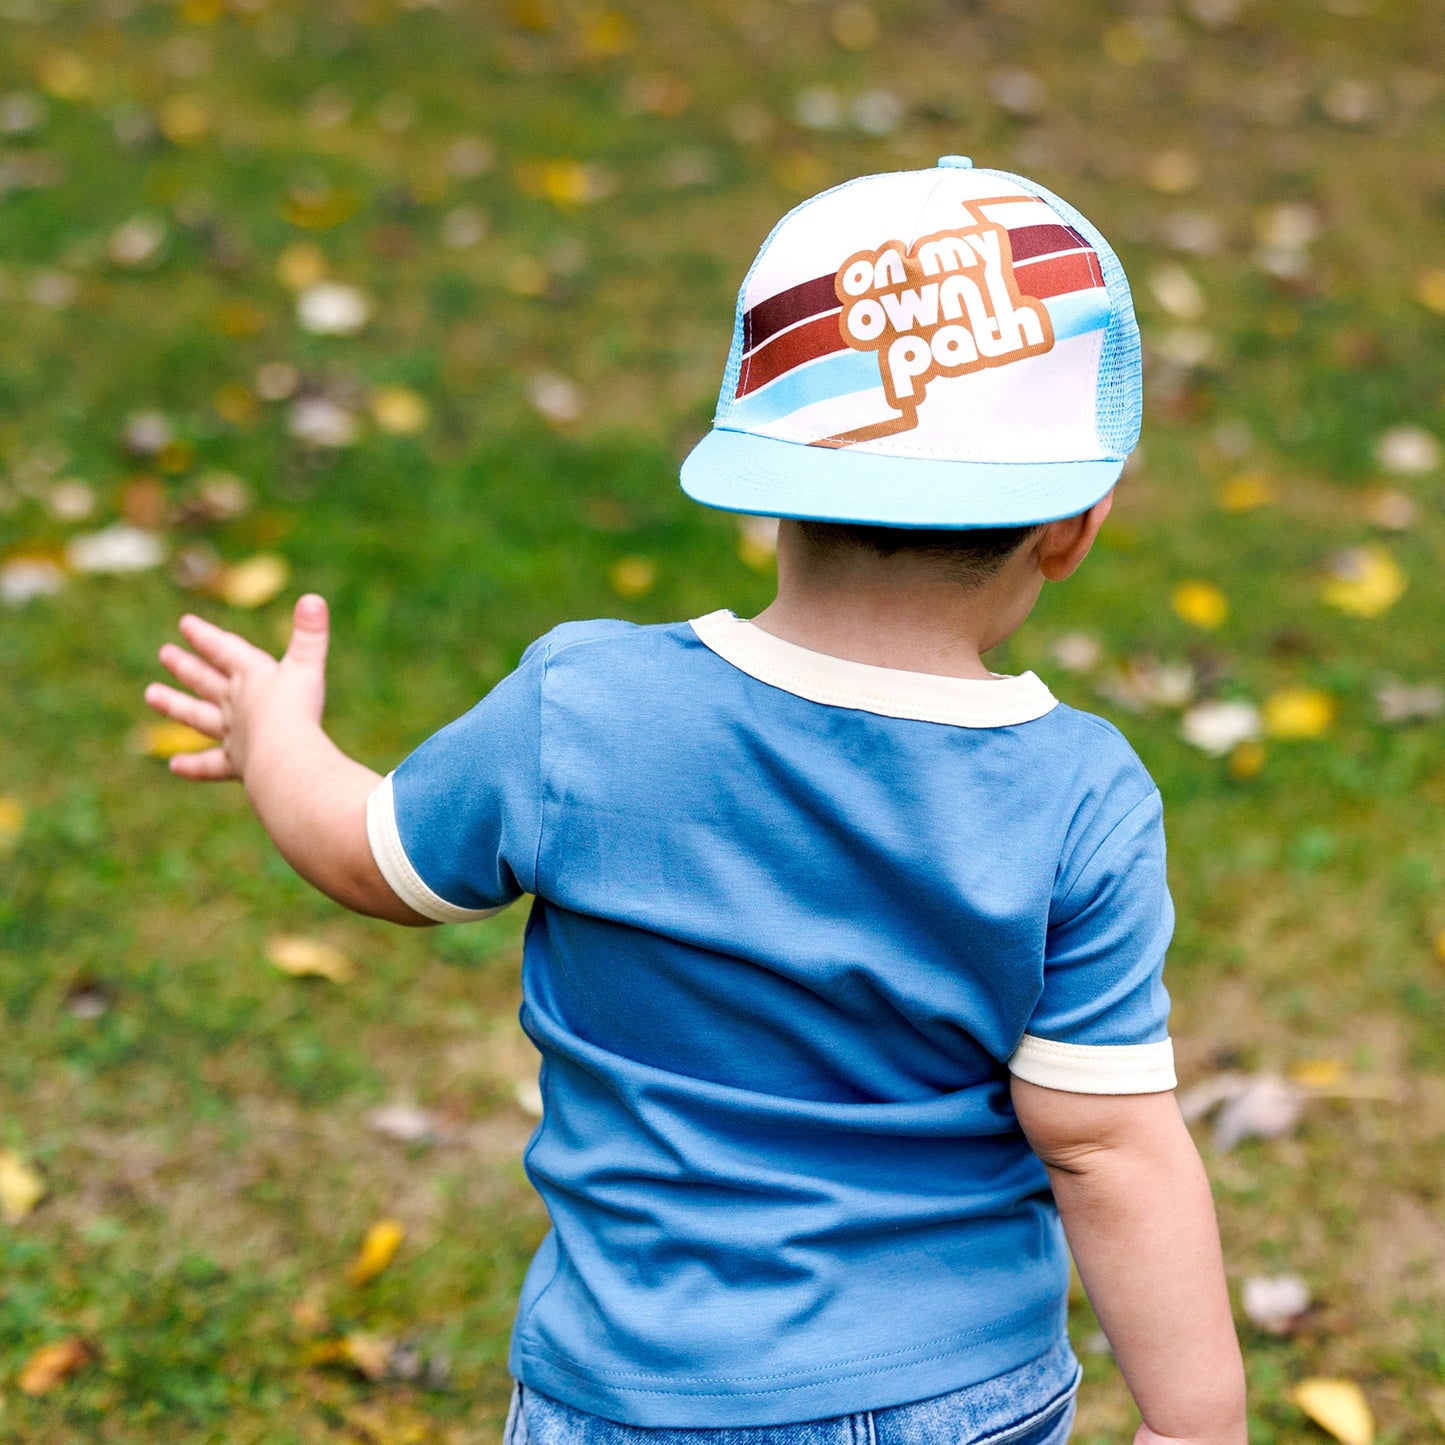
(972,555)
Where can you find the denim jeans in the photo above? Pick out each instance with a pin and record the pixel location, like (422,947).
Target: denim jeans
(1033,1405)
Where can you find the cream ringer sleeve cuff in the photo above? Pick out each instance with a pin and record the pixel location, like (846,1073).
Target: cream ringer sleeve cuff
(397,869)
(1095,1068)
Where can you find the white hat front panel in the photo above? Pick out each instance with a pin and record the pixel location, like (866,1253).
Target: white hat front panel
(945,314)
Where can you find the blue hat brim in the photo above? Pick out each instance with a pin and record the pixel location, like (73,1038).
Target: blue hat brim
(743,472)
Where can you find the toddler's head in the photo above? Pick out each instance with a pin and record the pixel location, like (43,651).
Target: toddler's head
(927,367)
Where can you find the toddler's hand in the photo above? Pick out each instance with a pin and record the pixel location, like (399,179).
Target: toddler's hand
(240,692)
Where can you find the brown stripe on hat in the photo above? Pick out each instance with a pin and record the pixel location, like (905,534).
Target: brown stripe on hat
(787,308)
(812,298)
(821,336)
(1044,241)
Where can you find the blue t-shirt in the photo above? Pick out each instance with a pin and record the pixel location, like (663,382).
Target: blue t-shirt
(796,919)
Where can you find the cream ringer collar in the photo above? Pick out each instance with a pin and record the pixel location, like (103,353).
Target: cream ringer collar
(891,692)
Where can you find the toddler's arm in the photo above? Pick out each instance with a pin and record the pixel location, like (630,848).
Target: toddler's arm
(1136,1207)
(266,717)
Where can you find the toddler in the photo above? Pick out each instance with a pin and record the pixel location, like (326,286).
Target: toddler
(844,953)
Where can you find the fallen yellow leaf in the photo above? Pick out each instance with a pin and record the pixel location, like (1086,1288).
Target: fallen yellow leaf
(1200,604)
(235,403)
(1247,759)
(606,34)
(1318,1073)
(12,820)
(310,958)
(53,1365)
(1364,582)
(21,1187)
(1440,946)
(240,320)
(633,576)
(184,120)
(399,410)
(534,15)
(1430,289)
(254,582)
(1246,492)
(378,1250)
(1338,1406)
(1297,713)
(301,264)
(566,183)
(65,75)
(167,739)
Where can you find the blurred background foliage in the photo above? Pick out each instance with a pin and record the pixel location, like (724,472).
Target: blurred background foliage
(419,305)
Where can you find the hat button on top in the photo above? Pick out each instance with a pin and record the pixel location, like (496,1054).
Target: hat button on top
(960,163)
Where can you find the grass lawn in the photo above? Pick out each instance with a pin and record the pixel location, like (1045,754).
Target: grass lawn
(544,210)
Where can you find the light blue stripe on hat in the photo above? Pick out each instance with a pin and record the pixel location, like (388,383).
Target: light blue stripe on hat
(841,374)
(1078,312)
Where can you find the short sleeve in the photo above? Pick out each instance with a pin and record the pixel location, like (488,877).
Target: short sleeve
(455,828)
(1101,1023)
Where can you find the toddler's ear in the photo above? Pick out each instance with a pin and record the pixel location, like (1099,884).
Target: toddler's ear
(1062,545)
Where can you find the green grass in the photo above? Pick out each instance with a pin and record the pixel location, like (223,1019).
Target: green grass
(204,1141)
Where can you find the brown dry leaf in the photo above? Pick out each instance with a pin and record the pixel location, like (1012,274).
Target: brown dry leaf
(309,1314)
(393,1422)
(253,582)
(370,1354)
(21,1187)
(378,1250)
(52,1365)
(1338,1406)
(310,958)
(165,739)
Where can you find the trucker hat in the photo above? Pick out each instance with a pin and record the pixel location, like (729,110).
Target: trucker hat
(952,347)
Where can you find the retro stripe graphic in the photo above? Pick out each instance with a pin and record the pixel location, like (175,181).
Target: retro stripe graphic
(794,354)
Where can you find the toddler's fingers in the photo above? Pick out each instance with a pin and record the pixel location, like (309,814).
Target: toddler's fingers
(310,631)
(211,766)
(226,650)
(189,670)
(205,717)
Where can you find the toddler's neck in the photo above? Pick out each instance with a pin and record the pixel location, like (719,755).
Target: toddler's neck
(893,612)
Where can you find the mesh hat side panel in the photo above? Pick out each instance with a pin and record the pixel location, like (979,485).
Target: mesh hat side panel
(1120,397)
